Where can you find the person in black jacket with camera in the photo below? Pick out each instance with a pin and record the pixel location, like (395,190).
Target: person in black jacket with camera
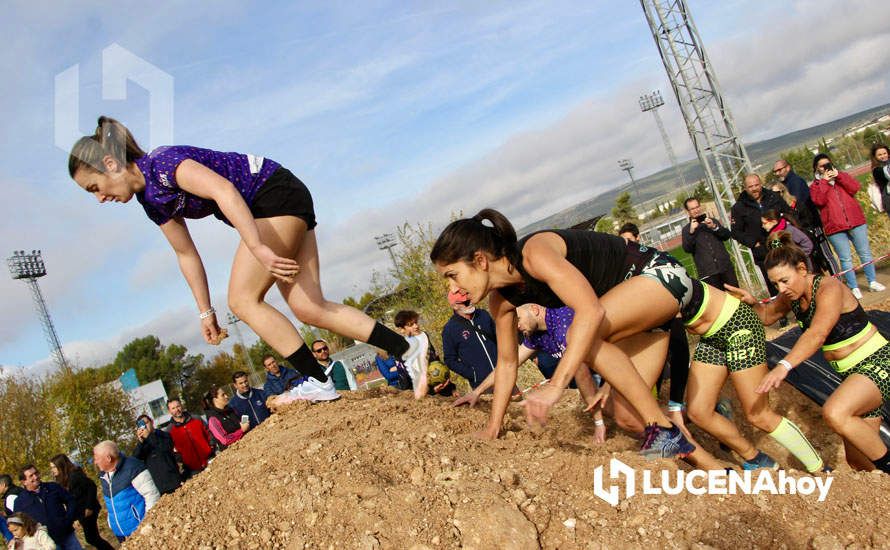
(155,449)
(703,237)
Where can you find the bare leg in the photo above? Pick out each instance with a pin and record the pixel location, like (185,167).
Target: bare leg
(635,305)
(249,282)
(843,411)
(855,458)
(703,391)
(647,351)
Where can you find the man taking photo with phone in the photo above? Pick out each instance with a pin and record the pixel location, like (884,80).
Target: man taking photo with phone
(703,237)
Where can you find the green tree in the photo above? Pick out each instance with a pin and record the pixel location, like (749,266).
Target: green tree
(605,225)
(624,211)
(86,412)
(27,427)
(217,371)
(872,135)
(801,161)
(153,361)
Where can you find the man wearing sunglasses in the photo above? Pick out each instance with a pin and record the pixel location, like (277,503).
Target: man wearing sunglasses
(334,369)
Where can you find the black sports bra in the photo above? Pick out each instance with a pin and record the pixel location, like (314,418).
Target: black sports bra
(604,260)
(849,324)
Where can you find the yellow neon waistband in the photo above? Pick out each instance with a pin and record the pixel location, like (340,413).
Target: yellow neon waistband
(873,344)
(729,308)
(706,297)
(848,341)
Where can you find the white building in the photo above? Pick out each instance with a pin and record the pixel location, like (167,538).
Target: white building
(150,399)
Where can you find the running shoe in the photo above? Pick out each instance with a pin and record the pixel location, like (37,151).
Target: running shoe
(413,348)
(875,286)
(857,293)
(760,462)
(661,442)
(313,390)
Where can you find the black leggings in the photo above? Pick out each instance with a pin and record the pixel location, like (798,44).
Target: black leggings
(678,358)
(91,533)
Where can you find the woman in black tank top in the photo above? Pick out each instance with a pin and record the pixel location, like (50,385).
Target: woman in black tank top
(831,319)
(583,270)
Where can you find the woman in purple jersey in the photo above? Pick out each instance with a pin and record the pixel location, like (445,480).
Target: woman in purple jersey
(271,210)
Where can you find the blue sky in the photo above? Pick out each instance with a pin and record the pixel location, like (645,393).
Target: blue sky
(389,112)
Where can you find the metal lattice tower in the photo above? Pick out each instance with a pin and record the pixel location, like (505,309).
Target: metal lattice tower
(651,102)
(720,151)
(30,267)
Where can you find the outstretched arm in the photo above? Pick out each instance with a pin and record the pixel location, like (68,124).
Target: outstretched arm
(508,362)
(830,297)
(192,268)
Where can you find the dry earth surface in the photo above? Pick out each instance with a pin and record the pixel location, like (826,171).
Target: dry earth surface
(379,470)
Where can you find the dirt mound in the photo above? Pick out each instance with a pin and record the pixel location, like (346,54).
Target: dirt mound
(379,470)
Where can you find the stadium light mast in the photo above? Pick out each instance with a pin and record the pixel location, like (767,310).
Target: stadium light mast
(651,102)
(708,120)
(387,242)
(30,267)
(628,166)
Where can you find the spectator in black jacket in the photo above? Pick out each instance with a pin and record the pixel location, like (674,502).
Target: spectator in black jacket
(50,505)
(746,226)
(9,491)
(155,449)
(703,237)
(468,340)
(85,494)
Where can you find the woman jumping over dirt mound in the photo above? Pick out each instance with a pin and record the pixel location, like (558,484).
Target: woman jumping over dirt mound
(271,210)
(849,342)
(583,270)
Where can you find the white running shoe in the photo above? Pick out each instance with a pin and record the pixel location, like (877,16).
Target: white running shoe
(856,292)
(875,286)
(313,390)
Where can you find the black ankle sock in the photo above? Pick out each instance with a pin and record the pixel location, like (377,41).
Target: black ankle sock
(384,338)
(305,363)
(883,463)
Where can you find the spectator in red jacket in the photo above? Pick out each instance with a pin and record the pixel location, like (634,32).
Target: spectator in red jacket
(834,194)
(191,439)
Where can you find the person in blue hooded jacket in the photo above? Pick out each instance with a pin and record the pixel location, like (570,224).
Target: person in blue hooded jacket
(127,486)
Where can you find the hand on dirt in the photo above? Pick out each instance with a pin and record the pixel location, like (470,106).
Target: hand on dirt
(538,402)
(469,399)
(599,434)
(487,434)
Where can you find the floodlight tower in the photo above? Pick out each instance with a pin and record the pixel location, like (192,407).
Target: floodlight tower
(651,102)
(387,242)
(628,166)
(711,127)
(30,267)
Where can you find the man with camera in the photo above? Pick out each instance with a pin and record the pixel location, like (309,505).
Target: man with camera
(155,449)
(703,237)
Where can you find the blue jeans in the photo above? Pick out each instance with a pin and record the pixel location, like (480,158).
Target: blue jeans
(841,244)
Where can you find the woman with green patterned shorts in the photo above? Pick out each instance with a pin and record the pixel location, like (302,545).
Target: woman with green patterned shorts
(733,345)
(833,320)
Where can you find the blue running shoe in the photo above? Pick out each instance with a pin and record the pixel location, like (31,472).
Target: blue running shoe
(760,462)
(661,442)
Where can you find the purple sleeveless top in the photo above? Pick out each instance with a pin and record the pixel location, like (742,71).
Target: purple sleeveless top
(553,341)
(163,200)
